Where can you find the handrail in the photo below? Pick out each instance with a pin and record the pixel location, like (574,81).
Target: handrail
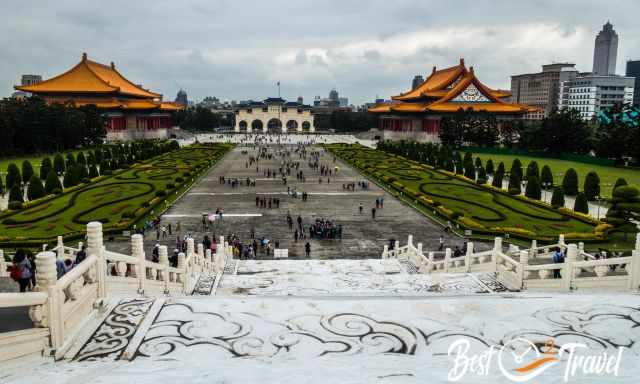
(24,299)
(76,272)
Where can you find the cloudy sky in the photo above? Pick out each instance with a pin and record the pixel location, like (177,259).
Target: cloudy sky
(236,49)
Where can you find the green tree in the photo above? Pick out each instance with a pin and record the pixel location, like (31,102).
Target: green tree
(489,167)
(546,177)
(533,190)
(27,171)
(16,194)
(592,186)
(570,182)
(58,164)
(70,160)
(35,190)
(561,132)
(45,167)
(478,162)
(581,204)
(470,170)
(52,182)
(80,159)
(557,198)
(501,168)
(13,176)
(625,209)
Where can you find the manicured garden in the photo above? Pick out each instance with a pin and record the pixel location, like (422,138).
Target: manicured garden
(118,200)
(481,208)
(608,175)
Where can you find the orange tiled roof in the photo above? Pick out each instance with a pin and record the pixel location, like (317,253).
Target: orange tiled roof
(136,104)
(447,91)
(89,77)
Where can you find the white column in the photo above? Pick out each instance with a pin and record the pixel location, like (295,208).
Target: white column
(467,257)
(447,259)
(60,248)
(533,251)
(497,249)
(163,258)
(410,241)
(209,258)
(567,268)
(634,280)
(561,240)
(95,246)
(522,274)
(46,277)
(137,251)
(385,252)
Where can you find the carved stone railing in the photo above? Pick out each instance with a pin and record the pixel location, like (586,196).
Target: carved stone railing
(580,270)
(60,307)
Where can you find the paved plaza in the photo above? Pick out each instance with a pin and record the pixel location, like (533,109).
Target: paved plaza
(363,236)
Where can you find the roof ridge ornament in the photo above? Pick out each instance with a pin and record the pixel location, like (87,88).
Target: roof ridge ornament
(84,56)
(462,61)
(113,65)
(434,70)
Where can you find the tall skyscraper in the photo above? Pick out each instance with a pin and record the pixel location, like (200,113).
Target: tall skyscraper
(417,80)
(605,53)
(181,98)
(633,70)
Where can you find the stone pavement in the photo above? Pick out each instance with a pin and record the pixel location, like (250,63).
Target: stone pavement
(363,237)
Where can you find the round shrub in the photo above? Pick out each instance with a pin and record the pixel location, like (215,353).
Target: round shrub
(45,167)
(52,182)
(533,190)
(13,176)
(35,190)
(170,186)
(557,199)
(179,179)
(15,193)
(546,177)
(592,186)
(160,193)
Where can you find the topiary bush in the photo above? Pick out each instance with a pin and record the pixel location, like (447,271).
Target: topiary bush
(592,186)
(533,170)
(546,178)
(515,183)
(15,193)
(170,186)
(533,190)
(570,182)
(45,167)
(13,176)
(489,167)
(482,176)
(57,191)
(497,179)
(179,179)
(35,190)
(160,193)
(58,164)
(581,204)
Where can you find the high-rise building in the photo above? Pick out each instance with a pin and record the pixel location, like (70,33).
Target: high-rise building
(417,80)
(605,53)
(541,90)
(181,98)
(28,80)
(590,94)
(633,70)
(300,100)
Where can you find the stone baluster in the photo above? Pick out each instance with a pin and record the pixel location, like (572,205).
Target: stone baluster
(3,264)
(190,249)
(447,259)
(182,266)
(497,250)
(60,248)
(385,252)
(209,257)
(46,276)
(533,252)
(95,247)
(200,253)
(634,279)
(523,274)
(396,248)
(410,241)
(420,263)
(567,268)
(468,257)
(561,240)
(163,258)
(140,270)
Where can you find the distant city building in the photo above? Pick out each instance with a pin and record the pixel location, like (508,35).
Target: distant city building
(633,70)
(541,90)
(273,115)
(589,93)
(417,80)
(343,102)
(28,80)
(181,98)
(300,100)
(605,53)
(333,103)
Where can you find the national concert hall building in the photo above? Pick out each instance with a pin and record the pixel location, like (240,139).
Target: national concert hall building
(417,114)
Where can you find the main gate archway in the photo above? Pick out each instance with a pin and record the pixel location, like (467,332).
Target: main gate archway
(274,126)
(306,126)
(243,126)
(256,126)
(292,126)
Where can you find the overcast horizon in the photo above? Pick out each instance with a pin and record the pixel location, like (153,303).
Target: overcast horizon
(240,49)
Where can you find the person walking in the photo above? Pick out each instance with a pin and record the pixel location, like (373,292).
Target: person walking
(360,208)
(295,236)
(21,270)
(307,249)
(373,213)
(558,258)
(441,241)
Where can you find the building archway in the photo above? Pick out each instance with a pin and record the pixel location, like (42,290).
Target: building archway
(256,125)
(274,126)
(243,126)
(292,126)
(306,126)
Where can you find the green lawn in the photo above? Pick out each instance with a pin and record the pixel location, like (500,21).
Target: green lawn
(493,210)
(608,175)
(34,159)
(111,199)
